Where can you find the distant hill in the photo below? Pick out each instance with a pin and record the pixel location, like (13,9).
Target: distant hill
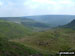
(16,19)
(27,22)
(53,20)
(36,26)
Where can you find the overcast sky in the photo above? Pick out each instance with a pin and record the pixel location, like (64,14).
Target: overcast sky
(36,7)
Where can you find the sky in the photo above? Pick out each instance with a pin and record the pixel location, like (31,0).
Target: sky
(15,8)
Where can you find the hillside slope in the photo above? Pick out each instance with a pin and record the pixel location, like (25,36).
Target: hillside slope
(10,31)
(70,25)
(35,25)
(51,41)
(13,30)
(8,48)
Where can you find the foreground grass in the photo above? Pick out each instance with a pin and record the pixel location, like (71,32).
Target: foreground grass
(8,48)
(51,41)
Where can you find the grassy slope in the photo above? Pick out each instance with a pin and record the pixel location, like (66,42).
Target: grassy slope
(34,25)
(15,49)
(48,42)
(52,41)
(70,25)
(13,30)
(9,30)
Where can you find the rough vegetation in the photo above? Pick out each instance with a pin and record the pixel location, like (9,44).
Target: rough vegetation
(52,41)
(13,30)
(8,48)
(19,40)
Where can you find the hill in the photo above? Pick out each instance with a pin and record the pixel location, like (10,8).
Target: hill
(30,23)
(16,19)
(53,20)
(48,42)
(10,31)
(13,30)
(36,25)
(70,25)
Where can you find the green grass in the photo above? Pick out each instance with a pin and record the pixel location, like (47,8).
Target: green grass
(9,31)
(51,41)
(8,48)
(13,30)
(18,40)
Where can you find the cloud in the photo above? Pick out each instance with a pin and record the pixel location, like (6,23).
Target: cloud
(65,2)
(36,7)
(44,1)
(1,3)
(49,3)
